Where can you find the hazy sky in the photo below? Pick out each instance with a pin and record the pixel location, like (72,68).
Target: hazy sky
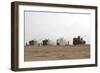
(53,25)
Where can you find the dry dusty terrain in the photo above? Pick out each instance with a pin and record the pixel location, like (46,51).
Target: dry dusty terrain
(39,53)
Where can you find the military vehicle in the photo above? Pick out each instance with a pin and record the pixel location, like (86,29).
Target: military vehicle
(45,42)
(79,40)
(32,42)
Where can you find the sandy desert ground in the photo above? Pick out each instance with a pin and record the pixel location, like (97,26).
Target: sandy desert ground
(41,53)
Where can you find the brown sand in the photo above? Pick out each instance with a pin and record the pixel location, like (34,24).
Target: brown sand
(41,53)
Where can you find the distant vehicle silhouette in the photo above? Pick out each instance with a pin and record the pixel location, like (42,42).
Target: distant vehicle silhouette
(32,42)
(78,40)
(62,42)
(45,42)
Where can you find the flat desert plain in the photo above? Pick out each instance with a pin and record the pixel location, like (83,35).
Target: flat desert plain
(42,53)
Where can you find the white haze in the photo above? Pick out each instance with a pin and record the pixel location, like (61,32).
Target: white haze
(47,25)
